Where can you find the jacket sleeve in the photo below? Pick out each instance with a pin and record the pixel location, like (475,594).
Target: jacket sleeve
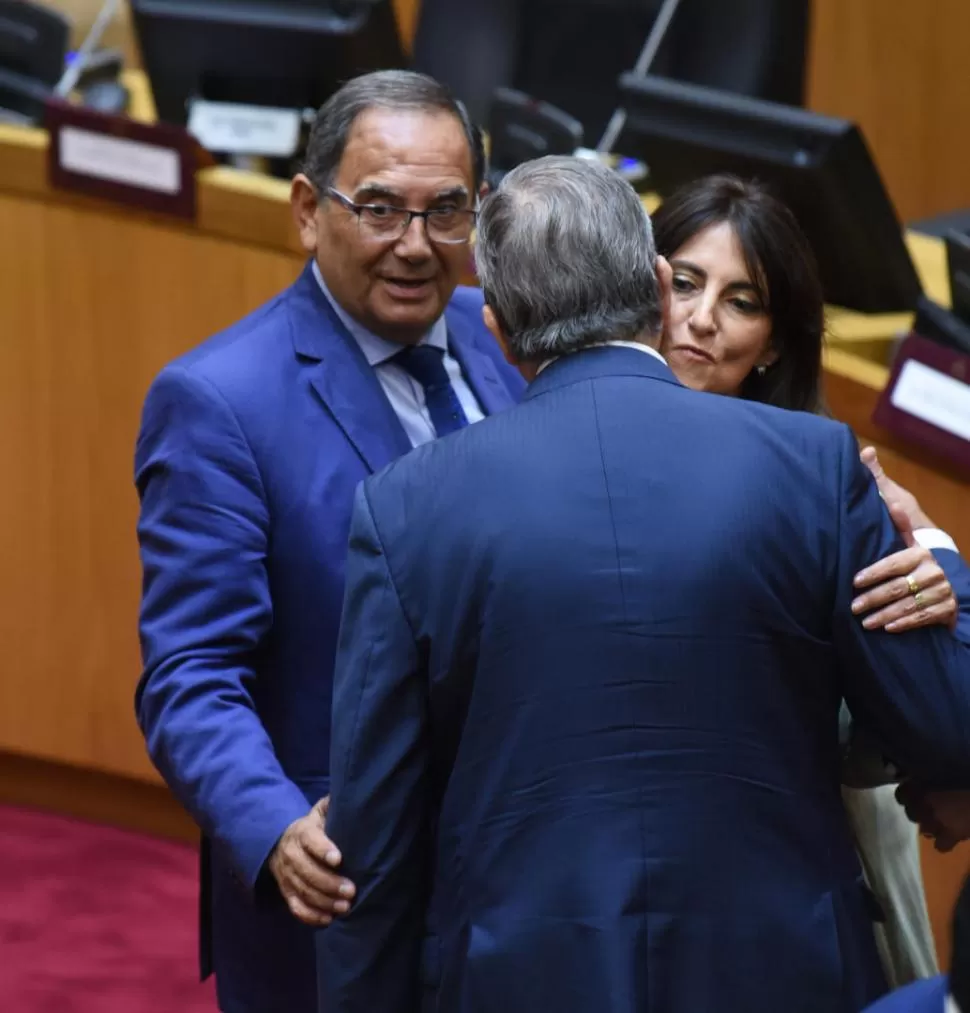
(911,691)
(958,574)
(379,810)
(203,532)
(864,762)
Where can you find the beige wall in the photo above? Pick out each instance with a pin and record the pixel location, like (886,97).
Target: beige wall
(899,69)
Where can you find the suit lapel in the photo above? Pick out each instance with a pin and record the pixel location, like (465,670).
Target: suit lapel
(342,378)
(477,367)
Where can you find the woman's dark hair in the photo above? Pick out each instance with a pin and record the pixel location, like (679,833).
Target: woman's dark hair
(783,271)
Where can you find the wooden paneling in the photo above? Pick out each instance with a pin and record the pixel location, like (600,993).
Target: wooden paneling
(899,70)
(407,18)
(90,795)
(93,302)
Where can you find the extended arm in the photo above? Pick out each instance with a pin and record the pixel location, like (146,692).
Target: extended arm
(206,607)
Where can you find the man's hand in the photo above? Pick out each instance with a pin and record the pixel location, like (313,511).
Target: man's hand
(942,815)
(302,864)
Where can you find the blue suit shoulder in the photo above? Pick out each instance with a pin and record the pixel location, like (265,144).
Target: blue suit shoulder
(785,421)
(237,358)
(817,439)
(465,309)
(469,300)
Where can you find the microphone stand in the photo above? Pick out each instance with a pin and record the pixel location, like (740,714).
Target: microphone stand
(647,55)
(71,76)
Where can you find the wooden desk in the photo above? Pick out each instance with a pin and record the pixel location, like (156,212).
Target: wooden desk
(93,301)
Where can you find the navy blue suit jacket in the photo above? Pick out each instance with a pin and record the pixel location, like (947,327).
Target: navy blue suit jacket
(585,722)
(250,450)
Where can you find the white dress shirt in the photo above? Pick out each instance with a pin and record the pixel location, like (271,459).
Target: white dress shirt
(403,391)
(612,344)
(934,538)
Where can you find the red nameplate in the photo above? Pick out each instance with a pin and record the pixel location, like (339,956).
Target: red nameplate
(147,166)
(927,400)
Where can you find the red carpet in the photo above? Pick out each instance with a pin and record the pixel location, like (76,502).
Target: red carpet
(96,920)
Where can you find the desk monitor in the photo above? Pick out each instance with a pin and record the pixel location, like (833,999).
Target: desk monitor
(286,54)
(33,46)
(818,165)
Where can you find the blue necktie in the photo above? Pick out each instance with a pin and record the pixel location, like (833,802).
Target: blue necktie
(426,364)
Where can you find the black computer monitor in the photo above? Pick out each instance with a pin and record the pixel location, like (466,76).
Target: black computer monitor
(288,54)
(818,165)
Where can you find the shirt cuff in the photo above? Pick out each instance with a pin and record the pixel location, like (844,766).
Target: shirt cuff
(934,538)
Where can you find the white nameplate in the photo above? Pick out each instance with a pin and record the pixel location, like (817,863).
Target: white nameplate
(245,130)
(934,397)
(120,160)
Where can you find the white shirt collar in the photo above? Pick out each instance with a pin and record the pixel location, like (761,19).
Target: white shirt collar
(613,344)
(377,350)
(950,1005)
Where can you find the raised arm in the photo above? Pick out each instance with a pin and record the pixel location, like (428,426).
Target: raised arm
(380,811)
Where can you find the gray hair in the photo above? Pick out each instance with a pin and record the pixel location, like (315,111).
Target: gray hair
(384,89)
(566,259)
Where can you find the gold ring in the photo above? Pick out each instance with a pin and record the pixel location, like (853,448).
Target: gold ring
(912,585)
(918,598)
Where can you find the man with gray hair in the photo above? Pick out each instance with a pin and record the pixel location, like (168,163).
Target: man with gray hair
(585,746)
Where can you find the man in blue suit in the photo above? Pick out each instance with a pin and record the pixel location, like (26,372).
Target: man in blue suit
(585,747)
(250,450)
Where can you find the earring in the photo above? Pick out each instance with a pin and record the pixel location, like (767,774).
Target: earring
(761,370)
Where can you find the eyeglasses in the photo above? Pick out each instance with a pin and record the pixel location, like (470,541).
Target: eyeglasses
(386,223)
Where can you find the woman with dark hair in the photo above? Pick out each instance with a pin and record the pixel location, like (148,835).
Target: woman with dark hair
(746,319)
(774,306)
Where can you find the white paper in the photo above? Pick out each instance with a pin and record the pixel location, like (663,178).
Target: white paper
(119,160)
(941,400)
(233,129)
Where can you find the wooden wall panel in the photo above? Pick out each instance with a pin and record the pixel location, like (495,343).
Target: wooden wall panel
(92,304)
(899,70)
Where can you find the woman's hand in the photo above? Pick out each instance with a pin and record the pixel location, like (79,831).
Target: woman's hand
(909,588)
(905,591)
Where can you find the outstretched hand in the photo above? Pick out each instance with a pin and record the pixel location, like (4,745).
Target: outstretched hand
(303,864)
